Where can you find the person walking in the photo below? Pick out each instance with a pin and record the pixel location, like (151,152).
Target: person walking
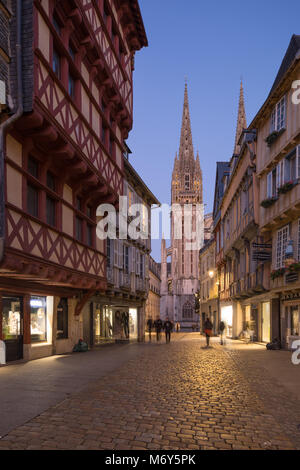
(158,325)
(222,329)
(208,327)
(149,327)
(177,327)
(168,327)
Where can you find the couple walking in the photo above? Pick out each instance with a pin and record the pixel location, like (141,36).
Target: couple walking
(158,326)
(208,330)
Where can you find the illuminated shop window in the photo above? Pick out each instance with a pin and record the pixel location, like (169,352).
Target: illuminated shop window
(38,319)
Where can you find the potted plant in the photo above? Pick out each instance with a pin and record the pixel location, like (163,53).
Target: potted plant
(273,137)
(277,273)
(286,187)
(268,202)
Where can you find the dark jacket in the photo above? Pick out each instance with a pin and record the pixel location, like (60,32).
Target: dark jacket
(168,326)
(222,326)
(158,324)
(149,324)
(208,325)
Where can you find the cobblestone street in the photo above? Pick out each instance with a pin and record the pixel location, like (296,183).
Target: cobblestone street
(176,396)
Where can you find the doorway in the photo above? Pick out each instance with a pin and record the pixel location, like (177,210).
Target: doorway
(266,322)
(12,327)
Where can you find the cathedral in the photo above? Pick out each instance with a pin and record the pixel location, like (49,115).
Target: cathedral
(179,263)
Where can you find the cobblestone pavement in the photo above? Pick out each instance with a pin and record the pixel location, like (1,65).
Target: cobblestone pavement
(176,396)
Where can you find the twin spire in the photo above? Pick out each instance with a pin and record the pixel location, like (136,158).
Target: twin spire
(241,121)
(186,157)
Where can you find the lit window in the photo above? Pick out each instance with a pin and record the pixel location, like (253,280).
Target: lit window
(38,319)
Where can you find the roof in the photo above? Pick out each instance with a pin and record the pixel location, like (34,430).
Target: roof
(136,11)
(128,167)
(291,54)
(288,59)
(222,169)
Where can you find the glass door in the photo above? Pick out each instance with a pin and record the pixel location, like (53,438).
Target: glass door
(12,327)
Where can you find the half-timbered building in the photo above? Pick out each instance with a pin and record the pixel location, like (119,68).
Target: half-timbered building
(63,156)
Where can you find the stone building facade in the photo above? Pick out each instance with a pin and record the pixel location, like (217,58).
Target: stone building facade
(181,283)
(257,227)
(153,301)
(208,293)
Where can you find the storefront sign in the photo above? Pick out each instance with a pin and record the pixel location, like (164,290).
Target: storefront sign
(291,296)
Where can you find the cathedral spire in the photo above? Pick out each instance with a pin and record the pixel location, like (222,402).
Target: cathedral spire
(186,150)
(241,121)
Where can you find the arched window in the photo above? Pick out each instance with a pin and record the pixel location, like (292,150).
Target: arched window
(187,311)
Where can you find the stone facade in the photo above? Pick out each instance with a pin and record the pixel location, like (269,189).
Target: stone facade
(180,285)
(153,301)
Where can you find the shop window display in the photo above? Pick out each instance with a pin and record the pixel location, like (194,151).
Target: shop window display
(11,318)
(38,319)
(294,321)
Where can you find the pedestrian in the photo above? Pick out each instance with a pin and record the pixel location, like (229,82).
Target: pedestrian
(177,327)
(158,325)
(208,327)
(222,329)
(168,327)
(149,327)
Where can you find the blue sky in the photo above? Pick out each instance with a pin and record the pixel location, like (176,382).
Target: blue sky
(213,44)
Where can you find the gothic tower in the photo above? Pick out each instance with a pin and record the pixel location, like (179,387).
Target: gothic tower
(180,284)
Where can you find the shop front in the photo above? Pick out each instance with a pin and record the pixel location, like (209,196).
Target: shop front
(291,320)
(114,323)
(26,326)
(227,318)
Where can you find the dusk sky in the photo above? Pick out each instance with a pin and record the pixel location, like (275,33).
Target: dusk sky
(213,44)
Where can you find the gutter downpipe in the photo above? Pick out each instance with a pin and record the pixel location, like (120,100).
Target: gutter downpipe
(5,125)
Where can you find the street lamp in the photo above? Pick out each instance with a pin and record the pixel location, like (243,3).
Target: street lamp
(211,274)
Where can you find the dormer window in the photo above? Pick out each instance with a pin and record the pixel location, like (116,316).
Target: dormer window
(278,117)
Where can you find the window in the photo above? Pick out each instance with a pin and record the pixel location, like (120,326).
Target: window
(278,117)
(56,26)
(282,241)
(103,134)
(271,184)
(280,174)
(89,235)
(50,181)
(32,200)
(72,53)
(33,167)
(187,182)
(78,229)
(109,252)
(89,212)
(111,146)
(78,203)
(38,319)
(71,86)
(292,165)
(56,63)
(62,319)
(187,311)
(142,266)
(126,259)
(51,211)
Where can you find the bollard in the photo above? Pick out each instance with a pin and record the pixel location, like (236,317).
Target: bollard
(2,353)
